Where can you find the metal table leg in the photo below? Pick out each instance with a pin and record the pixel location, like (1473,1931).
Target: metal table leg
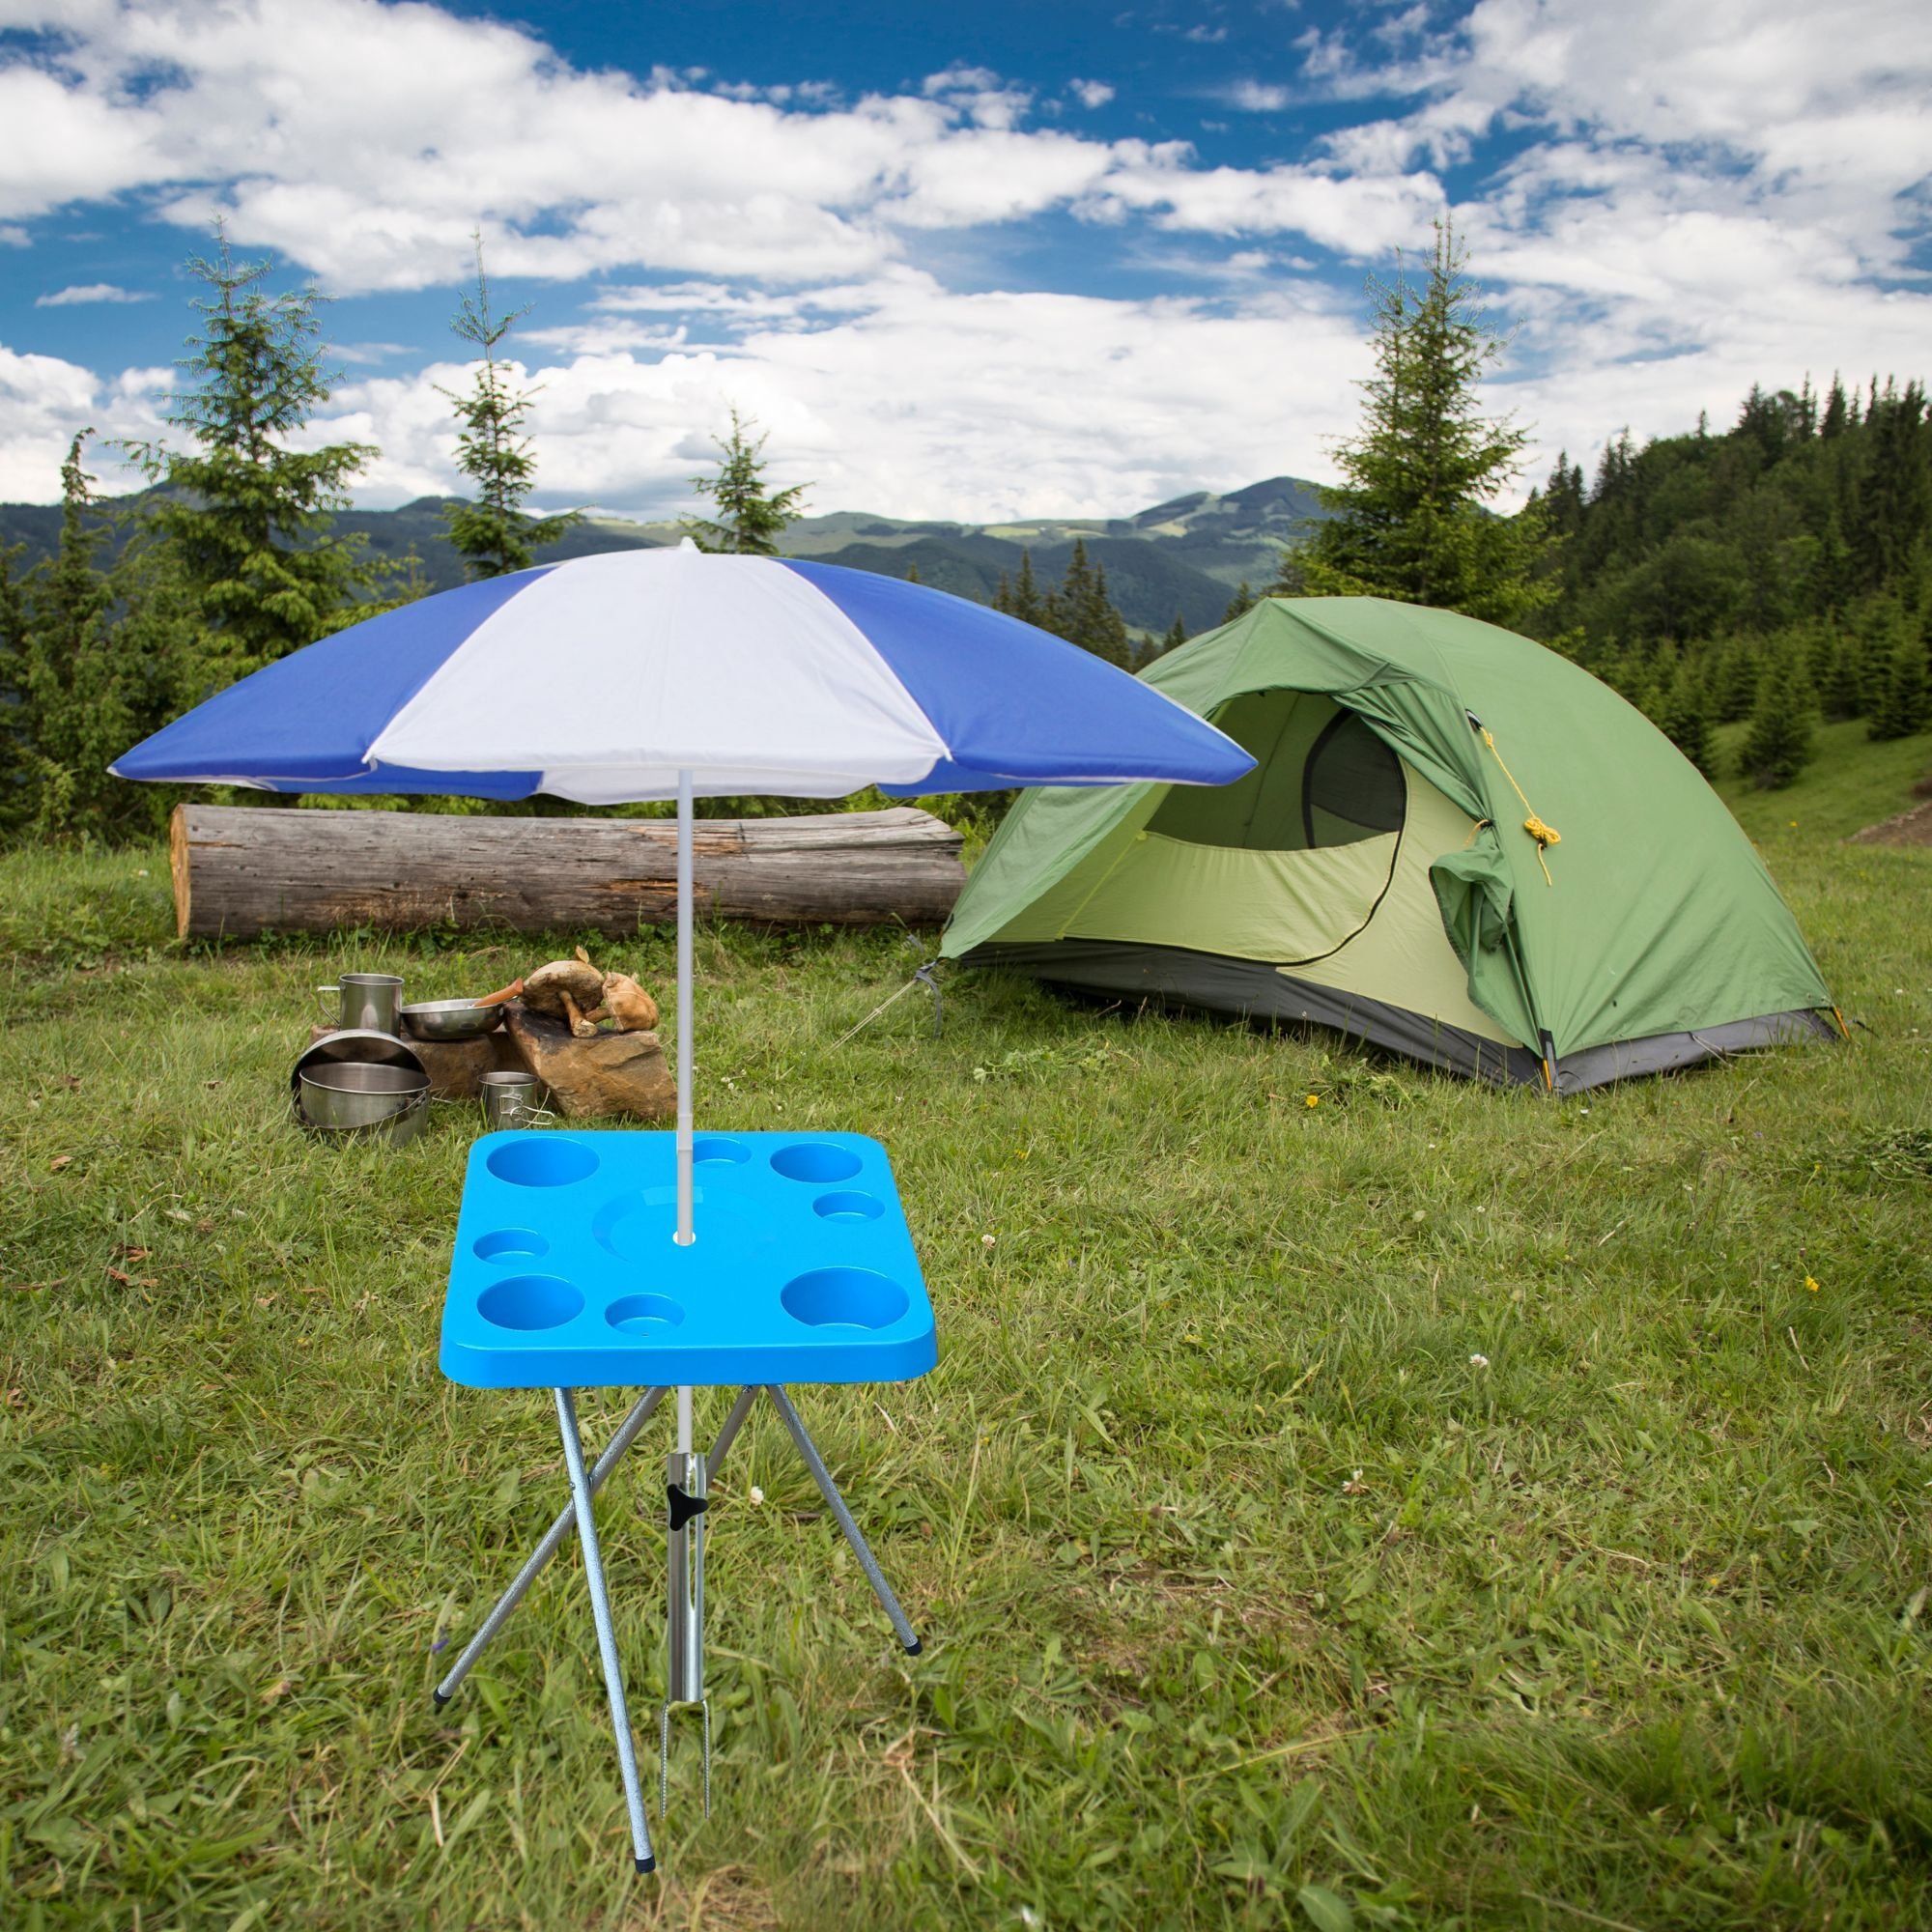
(626,1434)
(820,1475)
(733,1422)
(607,1638)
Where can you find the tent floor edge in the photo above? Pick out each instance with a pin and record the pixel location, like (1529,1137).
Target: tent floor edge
(1262,995)
(1252,991)
(1593,1067)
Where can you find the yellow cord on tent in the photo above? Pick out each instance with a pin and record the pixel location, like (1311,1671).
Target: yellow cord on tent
(1543,834)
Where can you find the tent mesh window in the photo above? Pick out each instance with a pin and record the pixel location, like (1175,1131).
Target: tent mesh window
(1320,777)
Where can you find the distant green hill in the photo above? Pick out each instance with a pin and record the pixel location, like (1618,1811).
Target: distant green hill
(1186,556)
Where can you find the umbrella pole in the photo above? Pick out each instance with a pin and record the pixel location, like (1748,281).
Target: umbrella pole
(684,1237)
(686,1482)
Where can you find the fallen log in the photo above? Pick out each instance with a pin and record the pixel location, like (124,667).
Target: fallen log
(240,871)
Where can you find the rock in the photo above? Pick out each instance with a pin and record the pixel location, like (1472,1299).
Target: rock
(456,1066)
(610,1073)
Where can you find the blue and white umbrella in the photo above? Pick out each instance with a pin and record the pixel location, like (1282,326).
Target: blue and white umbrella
(674,673)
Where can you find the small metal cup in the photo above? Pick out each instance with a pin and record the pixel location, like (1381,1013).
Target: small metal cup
(373,1001)
(509,1099)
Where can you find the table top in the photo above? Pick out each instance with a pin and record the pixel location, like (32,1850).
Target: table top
(566,1273)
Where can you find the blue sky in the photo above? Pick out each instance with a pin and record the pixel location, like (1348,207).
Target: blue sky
(979,262)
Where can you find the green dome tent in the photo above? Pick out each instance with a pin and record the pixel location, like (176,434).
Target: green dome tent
(1455,844)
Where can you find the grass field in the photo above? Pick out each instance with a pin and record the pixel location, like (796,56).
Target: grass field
(1424,1507)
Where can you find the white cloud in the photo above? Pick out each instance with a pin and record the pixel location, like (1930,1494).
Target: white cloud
(92,291)
(46,401)
(1091,93)
(1258,97)
(1355,214)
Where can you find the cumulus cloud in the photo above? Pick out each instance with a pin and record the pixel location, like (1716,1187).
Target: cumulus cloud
(92,291)
(1091,93)
(1258,97)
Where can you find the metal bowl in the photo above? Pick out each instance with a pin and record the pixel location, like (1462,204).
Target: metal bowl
(360,1093)
(452,1019)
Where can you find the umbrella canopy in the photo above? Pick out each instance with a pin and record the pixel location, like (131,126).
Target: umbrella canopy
(604,678)
(651,674)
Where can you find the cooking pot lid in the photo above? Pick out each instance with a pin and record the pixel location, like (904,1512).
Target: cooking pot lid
(364,1043)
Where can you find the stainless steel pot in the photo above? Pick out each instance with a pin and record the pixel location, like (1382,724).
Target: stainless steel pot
(344,1078)
(359,1093)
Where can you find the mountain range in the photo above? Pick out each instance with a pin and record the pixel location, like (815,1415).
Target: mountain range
(1183,558)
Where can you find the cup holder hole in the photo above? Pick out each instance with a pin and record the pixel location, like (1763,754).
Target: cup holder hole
(542,1160)
(645,1313)
(817,1161)
(843,1299)
(719,1150)
(510,1245)
(849,1207)
(529,1301)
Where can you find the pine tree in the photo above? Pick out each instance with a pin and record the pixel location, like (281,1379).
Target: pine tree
(912,575)
(1782,739)
(749,519)
(1894,495)
(1734,681)
(1025,601)
(1904,704)
(1684,716)
(97,659)
(1841,689)
(493,534)
(1412,519)
(1080,611)
(1177,636)
(15,739)
(1102,629)
(1239,604)
(1835,421)
(247,517)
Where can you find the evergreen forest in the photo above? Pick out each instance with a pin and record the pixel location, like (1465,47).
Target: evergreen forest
(1780,570)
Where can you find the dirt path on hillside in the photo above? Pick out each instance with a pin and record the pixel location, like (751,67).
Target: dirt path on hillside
(1909,828)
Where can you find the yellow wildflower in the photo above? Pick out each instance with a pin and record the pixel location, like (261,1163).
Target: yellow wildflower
(1810,1283)
(1314,1100)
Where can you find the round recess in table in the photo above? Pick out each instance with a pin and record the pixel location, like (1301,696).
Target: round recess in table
(719,1150)
(529,1301)
(639,1224)
(645,1313)
(852,1207)
(816,1161)
(542,1160)
(844,1297)
(509,1244)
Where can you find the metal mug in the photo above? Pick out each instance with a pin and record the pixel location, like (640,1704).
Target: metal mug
(373,1001)
(509,1099)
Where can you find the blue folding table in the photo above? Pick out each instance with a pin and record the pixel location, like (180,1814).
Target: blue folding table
(566,1275)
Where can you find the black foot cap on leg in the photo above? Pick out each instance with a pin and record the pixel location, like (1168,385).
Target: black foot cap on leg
(913,1648)
(648,1865)
(438,1698)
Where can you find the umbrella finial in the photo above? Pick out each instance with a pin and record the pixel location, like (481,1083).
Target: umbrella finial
(684,542)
